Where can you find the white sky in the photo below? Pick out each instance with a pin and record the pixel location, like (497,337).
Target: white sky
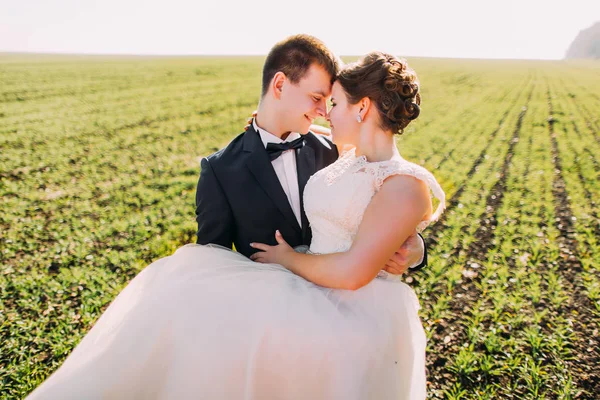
(434,28)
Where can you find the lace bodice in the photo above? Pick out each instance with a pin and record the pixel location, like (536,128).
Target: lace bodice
(336,197)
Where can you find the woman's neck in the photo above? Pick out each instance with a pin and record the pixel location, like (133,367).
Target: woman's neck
(376,145)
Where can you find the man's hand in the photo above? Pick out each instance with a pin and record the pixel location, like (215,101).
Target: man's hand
(409,254)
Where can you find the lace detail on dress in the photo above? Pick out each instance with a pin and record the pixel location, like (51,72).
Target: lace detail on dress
(342,164)
(336,197)
(400,166)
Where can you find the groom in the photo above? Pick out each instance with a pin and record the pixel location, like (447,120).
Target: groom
(255,185)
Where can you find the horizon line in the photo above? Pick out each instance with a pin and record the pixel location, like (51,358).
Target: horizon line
(100,54)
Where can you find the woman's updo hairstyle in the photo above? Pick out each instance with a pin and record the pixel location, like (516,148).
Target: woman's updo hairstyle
(390,84)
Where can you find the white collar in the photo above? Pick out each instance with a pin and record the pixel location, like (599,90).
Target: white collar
(267,137)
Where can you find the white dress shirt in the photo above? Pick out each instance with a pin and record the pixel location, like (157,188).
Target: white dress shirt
(285,168)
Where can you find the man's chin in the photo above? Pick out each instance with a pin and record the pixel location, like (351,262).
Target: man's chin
(304,129)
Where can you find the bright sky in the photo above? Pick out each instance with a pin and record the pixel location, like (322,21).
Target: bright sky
(534,29)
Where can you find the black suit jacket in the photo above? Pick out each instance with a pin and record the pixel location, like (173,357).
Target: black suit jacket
(239,199)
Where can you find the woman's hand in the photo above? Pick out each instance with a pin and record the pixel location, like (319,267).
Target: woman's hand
(249,121)
(278,254)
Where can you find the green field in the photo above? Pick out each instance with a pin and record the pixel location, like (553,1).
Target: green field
(99,159)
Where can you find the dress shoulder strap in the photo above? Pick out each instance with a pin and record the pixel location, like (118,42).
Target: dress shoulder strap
(399,166)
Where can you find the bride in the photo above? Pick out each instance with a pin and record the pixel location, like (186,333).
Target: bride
(209,323)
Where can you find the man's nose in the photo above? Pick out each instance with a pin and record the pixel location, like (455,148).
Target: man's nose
(322,108)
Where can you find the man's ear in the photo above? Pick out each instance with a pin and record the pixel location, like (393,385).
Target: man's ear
(277,84)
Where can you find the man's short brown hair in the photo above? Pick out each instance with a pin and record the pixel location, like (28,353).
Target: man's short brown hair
(294,56)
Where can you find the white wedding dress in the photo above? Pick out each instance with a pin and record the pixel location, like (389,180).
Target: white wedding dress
(208,323)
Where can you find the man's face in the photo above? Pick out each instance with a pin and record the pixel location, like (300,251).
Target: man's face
(303,102)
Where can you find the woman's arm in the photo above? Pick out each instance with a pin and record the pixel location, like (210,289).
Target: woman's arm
(390,218)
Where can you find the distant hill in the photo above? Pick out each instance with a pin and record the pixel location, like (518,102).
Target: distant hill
(586,44)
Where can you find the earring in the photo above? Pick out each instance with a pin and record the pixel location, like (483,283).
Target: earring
(359,118)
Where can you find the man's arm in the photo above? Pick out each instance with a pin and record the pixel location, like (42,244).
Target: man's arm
(423,260)
(213,213)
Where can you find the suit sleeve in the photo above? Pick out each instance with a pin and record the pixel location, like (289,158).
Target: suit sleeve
(424,262)
(213,213)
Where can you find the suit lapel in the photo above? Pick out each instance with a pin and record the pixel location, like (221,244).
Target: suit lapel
(260,166)
(305,167)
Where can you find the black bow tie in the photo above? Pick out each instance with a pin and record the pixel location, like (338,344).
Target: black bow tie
(275,149)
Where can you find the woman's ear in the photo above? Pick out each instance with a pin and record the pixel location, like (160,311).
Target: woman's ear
(364,107)
(277,84)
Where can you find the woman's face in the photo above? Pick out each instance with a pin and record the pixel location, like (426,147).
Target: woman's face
(342,118)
